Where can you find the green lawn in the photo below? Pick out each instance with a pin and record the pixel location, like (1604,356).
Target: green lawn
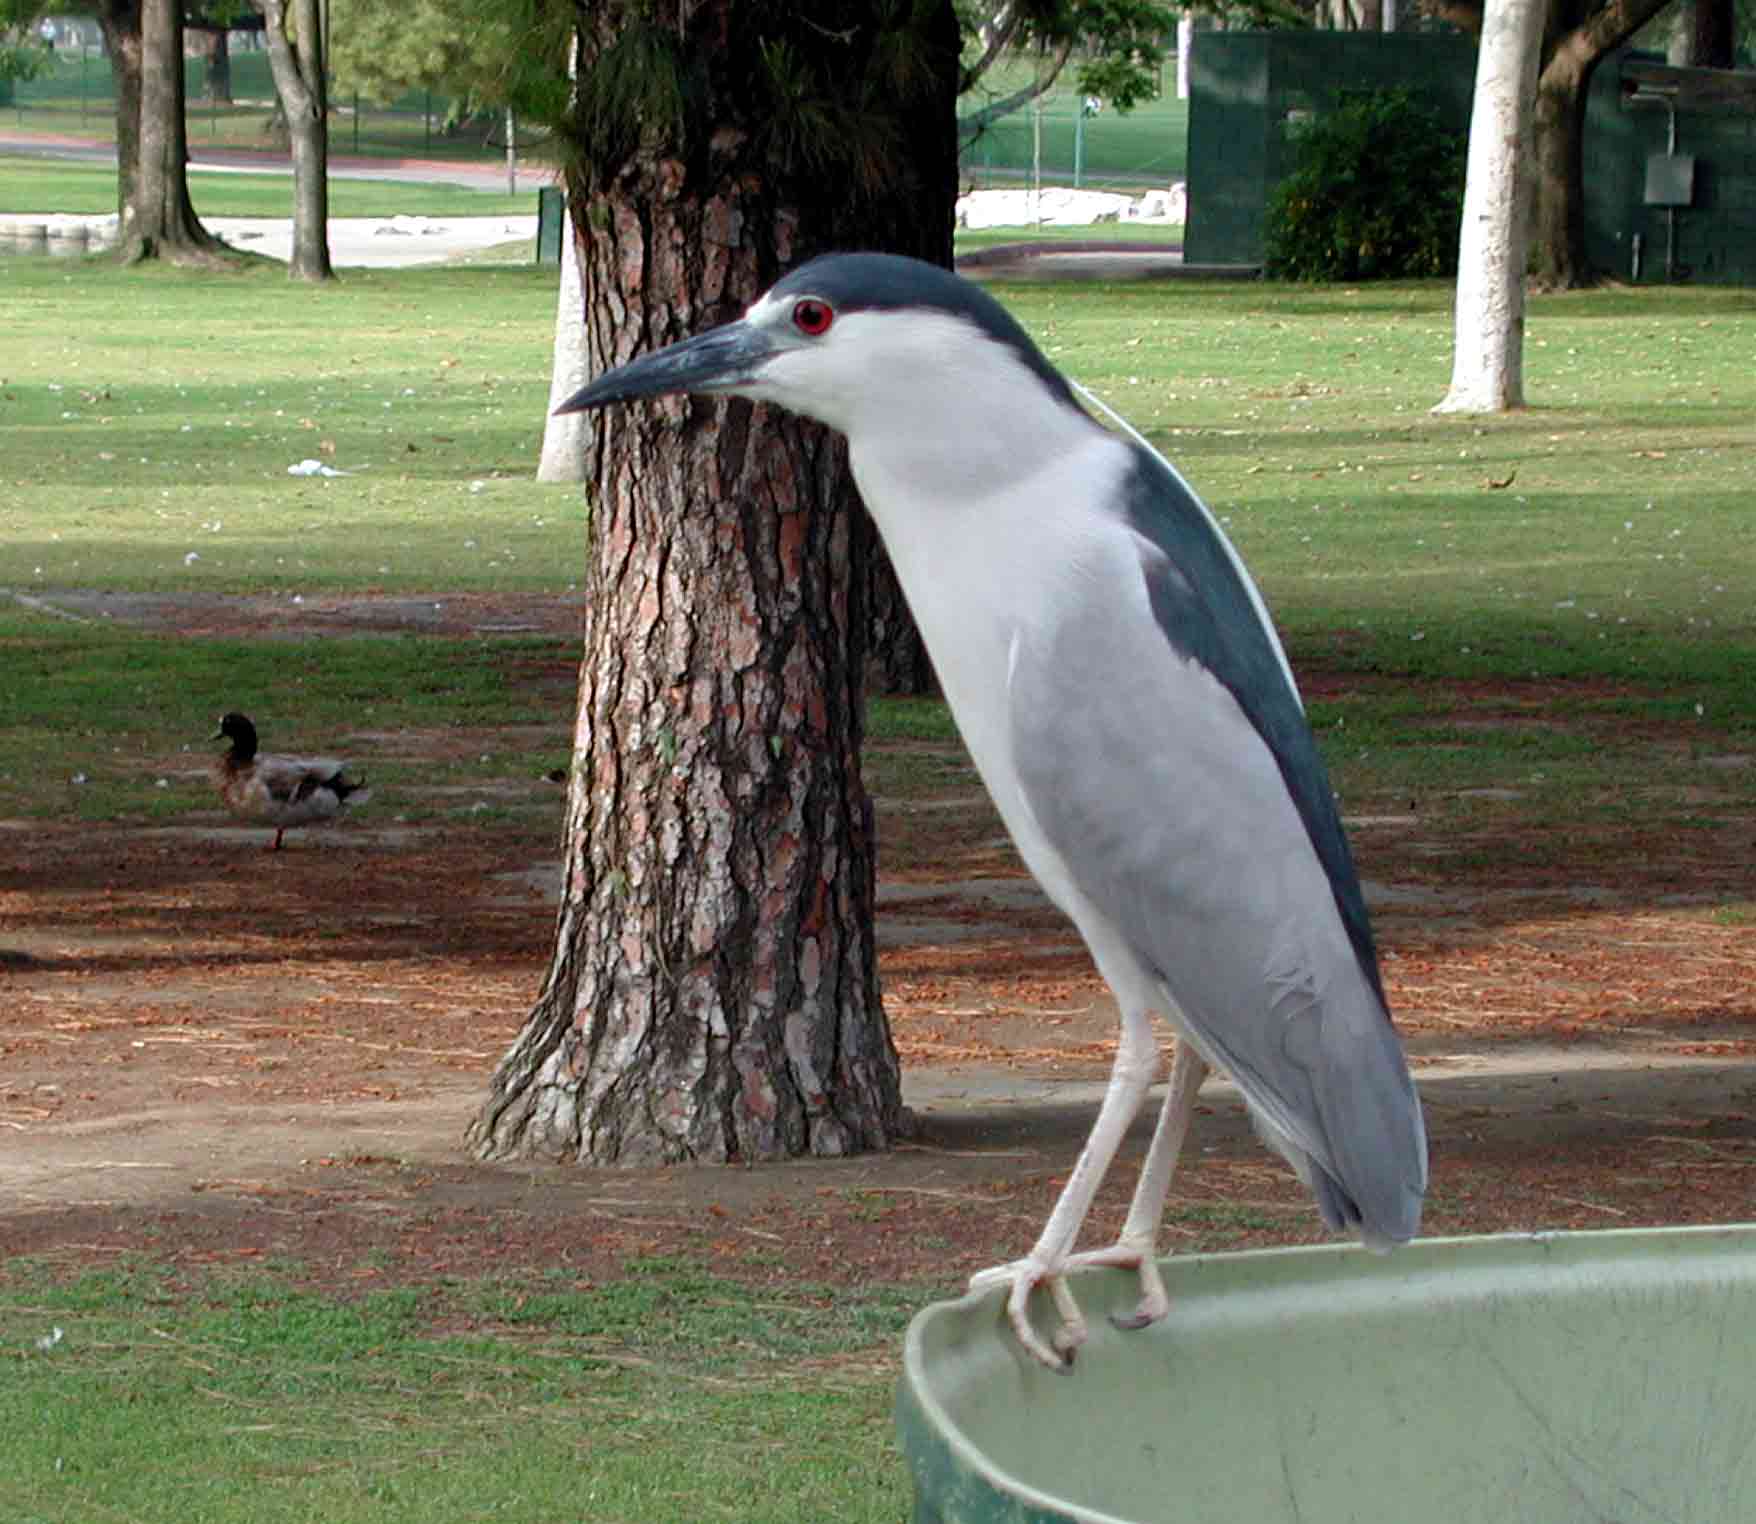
(668,1395)
(1129,151)
(1166,235)
(151,420)
(1602,537)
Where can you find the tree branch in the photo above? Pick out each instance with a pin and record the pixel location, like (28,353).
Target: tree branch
(1466,15)
(1613,25)
(1000,36)
(1573,54)
(976,123)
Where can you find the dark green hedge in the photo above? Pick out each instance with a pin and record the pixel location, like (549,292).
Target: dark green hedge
(1376,193)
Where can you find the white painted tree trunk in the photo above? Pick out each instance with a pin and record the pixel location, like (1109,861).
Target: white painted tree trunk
(1185,41)
(1487,373)
(563,457)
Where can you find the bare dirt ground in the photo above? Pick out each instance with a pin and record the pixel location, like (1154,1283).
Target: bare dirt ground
(217,1055)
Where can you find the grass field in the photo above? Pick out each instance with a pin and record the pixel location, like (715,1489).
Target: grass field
(1545,616)
(1163,235)
(1604,533)
(159,438)
(670,1395)
(1112,150)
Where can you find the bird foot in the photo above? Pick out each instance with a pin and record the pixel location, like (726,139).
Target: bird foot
(1021,1277)
(1154,1302)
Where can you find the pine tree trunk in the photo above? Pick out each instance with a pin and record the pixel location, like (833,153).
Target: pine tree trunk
(158,221)
(713,990)
(898,663)
(297,65)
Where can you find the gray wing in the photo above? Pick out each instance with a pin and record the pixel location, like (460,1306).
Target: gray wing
(1174,803)
(302,788)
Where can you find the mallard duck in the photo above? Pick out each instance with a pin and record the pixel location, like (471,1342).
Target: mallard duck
(279,791)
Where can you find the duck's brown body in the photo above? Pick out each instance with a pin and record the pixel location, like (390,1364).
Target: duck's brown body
(279,791)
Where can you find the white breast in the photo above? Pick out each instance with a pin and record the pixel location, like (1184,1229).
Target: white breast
(979,570)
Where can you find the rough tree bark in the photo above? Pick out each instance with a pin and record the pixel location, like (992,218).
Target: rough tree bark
(1487,372)
(712,993)
(158,219)
(294,33)
(897,662)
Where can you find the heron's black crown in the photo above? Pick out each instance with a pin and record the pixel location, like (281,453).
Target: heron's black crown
(896,283)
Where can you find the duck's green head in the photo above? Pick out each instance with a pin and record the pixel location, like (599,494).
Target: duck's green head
(237,729)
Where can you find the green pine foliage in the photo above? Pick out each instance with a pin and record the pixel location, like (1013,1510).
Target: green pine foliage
(824,91)
(1376,193)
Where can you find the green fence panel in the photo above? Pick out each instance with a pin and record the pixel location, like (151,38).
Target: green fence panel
(1247,88)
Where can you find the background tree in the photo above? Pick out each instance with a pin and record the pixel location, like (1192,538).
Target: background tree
(712,992)
(1487,372)
(212,25)
(1704,35)
(478,53)
(513,53)
(22,54)
(566,438)
(1577,35)
(295,56)
(145,43)
(1121,45)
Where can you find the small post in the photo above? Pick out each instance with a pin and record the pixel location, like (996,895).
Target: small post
(511,154)
(1036,162)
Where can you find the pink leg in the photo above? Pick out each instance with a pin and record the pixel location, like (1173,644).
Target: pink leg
(1137,1248)
(1049,1260)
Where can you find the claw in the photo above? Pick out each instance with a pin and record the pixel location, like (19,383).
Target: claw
(1154,1302)
(1021,1277)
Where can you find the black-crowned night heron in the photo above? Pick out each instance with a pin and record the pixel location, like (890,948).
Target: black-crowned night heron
(1124,695)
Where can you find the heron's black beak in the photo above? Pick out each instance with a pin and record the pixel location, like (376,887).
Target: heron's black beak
(716,361)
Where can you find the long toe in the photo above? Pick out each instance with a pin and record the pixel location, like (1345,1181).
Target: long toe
(1022,1277)
(1154,1301)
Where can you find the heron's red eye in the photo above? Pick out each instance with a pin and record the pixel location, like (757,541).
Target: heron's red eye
(812,317)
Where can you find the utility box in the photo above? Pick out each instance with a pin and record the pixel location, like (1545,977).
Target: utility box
(1670,179)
